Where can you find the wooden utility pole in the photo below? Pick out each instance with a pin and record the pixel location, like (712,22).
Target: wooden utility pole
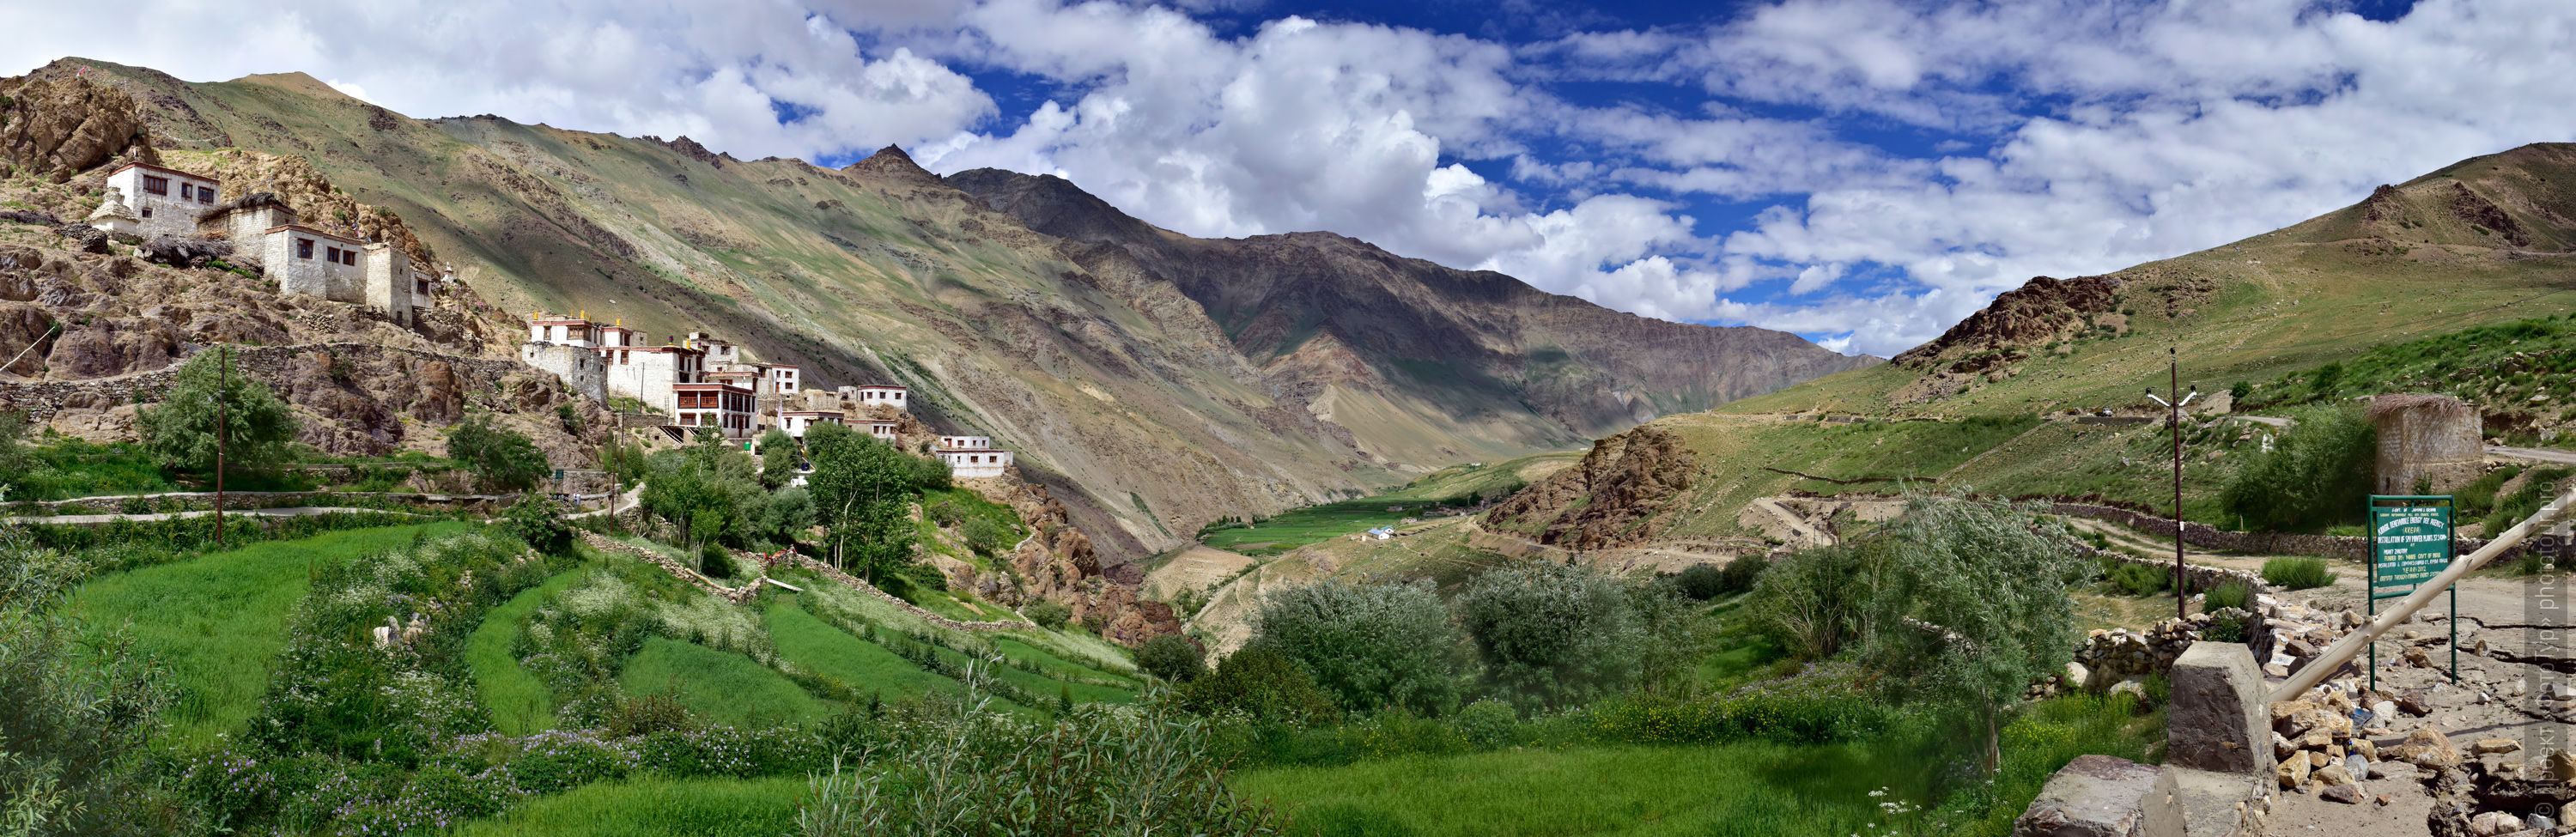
(223,381)
(2173,416)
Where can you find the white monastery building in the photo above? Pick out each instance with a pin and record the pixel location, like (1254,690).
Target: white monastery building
(882,430)
(726,407)
(965,442)
(144,200)
(875,394)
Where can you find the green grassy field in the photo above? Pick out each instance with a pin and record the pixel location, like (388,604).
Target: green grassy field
(518,703)
(217,620)
(1745,788)
(656,808)
(1755,789)
(720,686)
(1299,527)
(834,653)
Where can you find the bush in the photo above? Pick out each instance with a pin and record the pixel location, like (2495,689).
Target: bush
(1812,601)
(2231,594)
(1702,582)
(1048,613)
(2297,573)
(1171,658)
(1371,646)
(984,536)
(2137,579)
(2317,474)
(504,459)
(713,562)
(1742,573)
(1555,634)
(75,721)
(1261,683)
(535,520)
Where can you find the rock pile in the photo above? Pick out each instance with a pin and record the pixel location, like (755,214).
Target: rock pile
(2109,658)
(2295,634)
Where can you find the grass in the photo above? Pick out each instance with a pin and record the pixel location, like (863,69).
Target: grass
(217,620)
(1299,527)
(656,807)
(1746,788)
(518,702)
(719,686)
(1023,652)
(834,653)
(1756,788)
(2298,573)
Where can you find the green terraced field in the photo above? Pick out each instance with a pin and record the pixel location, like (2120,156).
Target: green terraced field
(217,620)
(720,686)
(518,703)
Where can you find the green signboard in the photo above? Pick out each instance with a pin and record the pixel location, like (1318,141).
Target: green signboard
(2410,539)
(2410,543)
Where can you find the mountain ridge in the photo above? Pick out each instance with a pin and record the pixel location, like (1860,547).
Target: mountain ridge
(1121,392)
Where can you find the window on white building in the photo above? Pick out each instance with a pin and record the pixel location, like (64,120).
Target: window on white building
(156,185)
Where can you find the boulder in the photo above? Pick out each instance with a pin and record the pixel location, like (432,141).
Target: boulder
(2332,775)
(2346,794)
(2105,796)
(2493,823)
(2215,713)
(2562,766)
(2496,745)
(2292,773)
(2426,748)
(2415,702)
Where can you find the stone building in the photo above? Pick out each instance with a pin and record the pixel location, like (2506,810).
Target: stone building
(163,201)
(883,430)
(965,442)
(783,379)
(302,259)
(2428,444)
(582,370)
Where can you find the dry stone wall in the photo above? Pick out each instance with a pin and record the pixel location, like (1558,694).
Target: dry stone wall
(2270,543)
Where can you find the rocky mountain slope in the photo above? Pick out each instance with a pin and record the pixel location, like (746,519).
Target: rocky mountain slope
(1150,382)
(2487,240)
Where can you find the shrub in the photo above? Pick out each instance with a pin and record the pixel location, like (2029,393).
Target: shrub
(1555,634)
(2297,573)
(713,562)
(74,726)
(2317,474)
(984,536)
(1702,582)
(1261,683)
(1487,724)
(1813,601)
(1743,572)
(1171,658)
(504,459)
(2137,579)
(1048,613)
(536,521)
(2233,594)
(1370,645)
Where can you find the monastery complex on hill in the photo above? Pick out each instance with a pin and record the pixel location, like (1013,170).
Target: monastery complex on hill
(699,380)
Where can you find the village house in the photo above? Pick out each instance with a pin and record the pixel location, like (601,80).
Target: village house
(796,422)
(965,442)
(875,394)
(969,463)
(728,408)
(883,430)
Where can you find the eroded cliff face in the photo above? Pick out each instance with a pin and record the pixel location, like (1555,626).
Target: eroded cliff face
(58,121)
(1618,495)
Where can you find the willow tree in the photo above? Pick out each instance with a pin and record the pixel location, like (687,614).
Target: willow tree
(1973,605)
(862,492)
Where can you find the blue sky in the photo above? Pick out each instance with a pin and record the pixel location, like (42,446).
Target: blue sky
(1861,172)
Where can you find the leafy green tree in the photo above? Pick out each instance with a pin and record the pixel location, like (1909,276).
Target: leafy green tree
(2319,472)
(180,430)
(710,490)
(535,520)
(1554,635)
(862,495)
(1816,601)
(1262,683)
(1049,614)
(789,514)
(777,459)
(1171,658)
(1371,646)
(1973,606)
(501,457)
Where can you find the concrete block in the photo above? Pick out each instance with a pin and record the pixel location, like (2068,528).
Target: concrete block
(2217,719)
(2105,796)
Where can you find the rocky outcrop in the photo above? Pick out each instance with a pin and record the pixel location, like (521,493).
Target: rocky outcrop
(1059,563)
(59,122)
(1615,497)
(2041,310)
(2476,209)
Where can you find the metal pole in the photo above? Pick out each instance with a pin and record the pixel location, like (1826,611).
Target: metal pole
(2342,650)
(223,381)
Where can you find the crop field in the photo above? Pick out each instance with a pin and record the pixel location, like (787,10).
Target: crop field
(217,620)
(656,807)
(518,703)
(1299,527)
(721,686)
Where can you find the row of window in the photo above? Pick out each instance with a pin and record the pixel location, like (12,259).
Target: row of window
(334,255)
(187,191)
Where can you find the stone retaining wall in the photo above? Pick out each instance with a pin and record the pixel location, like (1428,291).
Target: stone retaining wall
(835,574)
(269,364)
(203,500)
(2269,543)
(736,595)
